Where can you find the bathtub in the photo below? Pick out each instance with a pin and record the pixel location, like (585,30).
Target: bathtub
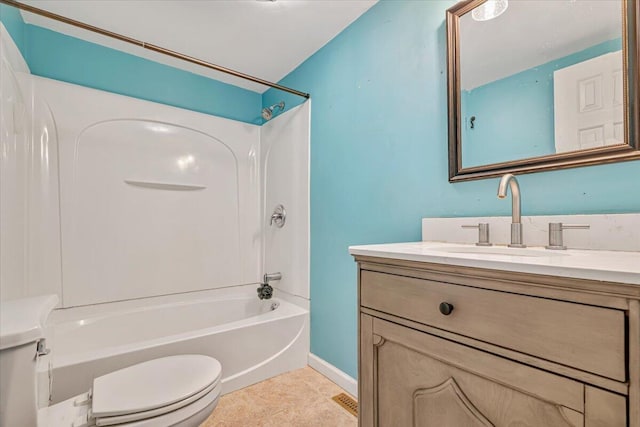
(253,340)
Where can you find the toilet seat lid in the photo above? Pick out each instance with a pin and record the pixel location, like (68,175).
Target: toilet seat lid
(153,384)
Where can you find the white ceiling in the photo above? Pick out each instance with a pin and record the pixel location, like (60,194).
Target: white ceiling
(533,32)
(266,39)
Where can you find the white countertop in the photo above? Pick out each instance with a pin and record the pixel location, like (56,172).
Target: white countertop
(612,266)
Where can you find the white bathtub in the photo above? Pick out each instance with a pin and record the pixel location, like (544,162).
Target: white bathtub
(253,340)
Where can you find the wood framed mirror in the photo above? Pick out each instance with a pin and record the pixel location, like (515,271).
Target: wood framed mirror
(541,85)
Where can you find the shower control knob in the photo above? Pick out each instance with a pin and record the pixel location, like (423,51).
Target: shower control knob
(445,308)
(278,217)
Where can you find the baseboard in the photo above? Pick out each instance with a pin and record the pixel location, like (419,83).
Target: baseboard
(350,385)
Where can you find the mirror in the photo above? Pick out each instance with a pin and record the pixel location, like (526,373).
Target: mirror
(538,85)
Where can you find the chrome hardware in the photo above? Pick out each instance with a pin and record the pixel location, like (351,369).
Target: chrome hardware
(278,217)
(555,234)
(516,236)
(275,305)
(483,233)
(265,290)
(270,277)
(267,112)
(41,348)
(516,224)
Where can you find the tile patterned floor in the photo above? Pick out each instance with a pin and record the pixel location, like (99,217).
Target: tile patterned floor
(300,398)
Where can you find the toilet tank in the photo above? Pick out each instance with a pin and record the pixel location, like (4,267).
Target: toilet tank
(22,325)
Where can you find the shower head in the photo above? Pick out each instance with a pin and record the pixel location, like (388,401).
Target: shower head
(267,112)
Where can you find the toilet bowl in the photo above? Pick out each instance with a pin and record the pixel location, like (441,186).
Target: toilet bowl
(170,391)
(177,390)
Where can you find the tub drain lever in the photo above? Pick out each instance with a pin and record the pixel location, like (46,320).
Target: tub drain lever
(265,291)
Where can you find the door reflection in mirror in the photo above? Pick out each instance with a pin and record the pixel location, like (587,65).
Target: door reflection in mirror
(541,78)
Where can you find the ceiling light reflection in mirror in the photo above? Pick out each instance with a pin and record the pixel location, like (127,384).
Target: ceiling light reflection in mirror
(489,10)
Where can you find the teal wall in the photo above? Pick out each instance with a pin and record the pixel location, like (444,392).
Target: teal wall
(379,158)
(526,128)
(12,20)
(57,56)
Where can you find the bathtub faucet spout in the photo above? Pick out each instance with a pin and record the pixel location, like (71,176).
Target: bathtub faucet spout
(265,290)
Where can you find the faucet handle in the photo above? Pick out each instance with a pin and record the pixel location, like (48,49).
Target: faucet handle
(483,233)
(555,233)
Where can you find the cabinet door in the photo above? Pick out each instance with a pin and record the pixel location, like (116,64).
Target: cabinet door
(421,380)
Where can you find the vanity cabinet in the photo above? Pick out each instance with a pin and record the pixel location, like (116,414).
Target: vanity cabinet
(443,345)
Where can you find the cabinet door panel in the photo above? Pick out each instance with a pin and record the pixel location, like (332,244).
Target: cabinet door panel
(412,388)
(528,380)
(446,404)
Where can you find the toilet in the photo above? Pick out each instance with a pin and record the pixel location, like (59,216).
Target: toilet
(179,390)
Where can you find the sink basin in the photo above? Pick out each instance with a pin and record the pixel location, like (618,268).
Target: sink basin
(500,251)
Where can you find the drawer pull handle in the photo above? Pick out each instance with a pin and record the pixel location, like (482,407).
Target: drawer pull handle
(445,308)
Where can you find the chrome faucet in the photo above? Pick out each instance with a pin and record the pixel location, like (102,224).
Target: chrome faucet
(516,224)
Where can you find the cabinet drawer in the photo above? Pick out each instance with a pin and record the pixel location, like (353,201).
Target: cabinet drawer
(583,337)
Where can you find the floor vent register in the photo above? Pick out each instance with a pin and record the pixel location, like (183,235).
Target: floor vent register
(347,402)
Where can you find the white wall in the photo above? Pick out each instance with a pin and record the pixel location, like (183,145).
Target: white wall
(285,153)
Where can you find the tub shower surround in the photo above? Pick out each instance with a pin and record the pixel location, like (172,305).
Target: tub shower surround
(163,197)
(168,200)
(150,224)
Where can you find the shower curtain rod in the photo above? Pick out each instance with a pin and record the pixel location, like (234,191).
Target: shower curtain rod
(149,46)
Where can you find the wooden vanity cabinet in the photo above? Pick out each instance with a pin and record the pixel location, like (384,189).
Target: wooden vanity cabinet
(504,349)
